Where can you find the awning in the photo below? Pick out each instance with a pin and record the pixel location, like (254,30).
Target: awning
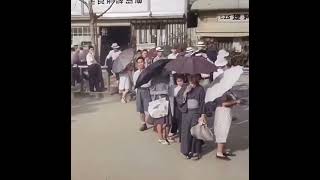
(222,34)
(220,4)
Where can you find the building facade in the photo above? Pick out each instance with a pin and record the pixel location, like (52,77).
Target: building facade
(223,21)
(136,23)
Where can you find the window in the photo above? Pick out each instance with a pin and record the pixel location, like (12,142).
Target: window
(80,31)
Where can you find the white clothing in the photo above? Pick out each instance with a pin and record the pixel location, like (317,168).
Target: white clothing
(222,123)
(113,54)
(135,77)
(90,59)
(176,90)
(172,56)
(217,73)
(124,81)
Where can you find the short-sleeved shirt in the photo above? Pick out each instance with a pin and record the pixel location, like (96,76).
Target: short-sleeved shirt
(114,55)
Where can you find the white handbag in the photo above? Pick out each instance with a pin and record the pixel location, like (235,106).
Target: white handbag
(158,108)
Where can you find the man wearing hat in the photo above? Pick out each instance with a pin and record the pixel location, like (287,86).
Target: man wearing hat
(113,55)
(189,52)
(159,54)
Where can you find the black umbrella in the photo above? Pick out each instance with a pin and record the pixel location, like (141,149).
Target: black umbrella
(191,65)
(152,70)
(123,60)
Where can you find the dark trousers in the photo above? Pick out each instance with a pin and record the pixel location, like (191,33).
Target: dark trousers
(75,75)
(95,77)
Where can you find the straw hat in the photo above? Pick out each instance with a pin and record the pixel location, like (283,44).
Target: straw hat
(159,49)
(189,50)
(201,44)
(115,45)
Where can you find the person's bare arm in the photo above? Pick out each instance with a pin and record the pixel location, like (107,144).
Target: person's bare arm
(231,103)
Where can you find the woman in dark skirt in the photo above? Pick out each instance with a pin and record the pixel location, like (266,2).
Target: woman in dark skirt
(190,99)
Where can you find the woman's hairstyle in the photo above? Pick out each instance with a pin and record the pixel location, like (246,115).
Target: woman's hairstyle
(140,57)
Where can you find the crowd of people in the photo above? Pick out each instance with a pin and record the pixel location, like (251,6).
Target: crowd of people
(189,105)
(188,94)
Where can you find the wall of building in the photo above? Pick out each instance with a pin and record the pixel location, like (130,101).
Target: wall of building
(209,25)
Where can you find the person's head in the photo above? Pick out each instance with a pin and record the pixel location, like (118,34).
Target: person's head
(159,51)
(174,50)
(115,47)
(91,49)
(140,63)
(139,53)
(194,79)
(144,53)
(180,80)
(72,49)
(201,45)
(81,48)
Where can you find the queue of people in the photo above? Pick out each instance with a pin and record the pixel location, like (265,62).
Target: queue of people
(187,92)
(189,103)
(81,57)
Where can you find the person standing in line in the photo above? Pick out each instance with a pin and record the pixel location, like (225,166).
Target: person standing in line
(75,69)
(173,54)
(124,84)
(189,52)
(159,54)
(147,60)
(95,72)
(142,95)
(190,99)
(160,89)
(177,116)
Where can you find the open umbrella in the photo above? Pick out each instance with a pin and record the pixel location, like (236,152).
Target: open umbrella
(223,83)
(123,60)
(191,65)
(151,71)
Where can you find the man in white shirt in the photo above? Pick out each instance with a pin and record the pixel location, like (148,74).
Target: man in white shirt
(113,55)
(159,54)
(95,72)
(143,95)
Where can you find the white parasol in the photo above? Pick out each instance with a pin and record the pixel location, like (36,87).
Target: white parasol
(223,83)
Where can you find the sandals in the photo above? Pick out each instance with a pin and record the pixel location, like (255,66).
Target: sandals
(226,158)
(228,153)
(162,141)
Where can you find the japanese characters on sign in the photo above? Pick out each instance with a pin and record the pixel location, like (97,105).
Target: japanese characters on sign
(233,18)
(118,1)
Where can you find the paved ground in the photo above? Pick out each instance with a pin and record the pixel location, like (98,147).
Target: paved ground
(106,144)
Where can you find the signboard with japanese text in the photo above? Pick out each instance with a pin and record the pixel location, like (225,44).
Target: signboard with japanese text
(234,18)
(120,6)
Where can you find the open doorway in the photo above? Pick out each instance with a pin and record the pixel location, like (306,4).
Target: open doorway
(115,34)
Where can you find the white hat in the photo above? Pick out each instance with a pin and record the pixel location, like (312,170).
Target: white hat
(189,49)
(159,49)
(115,45)
(221,61)
(223,53)
(201,44)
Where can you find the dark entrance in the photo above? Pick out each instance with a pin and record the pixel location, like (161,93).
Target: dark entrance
(115,34)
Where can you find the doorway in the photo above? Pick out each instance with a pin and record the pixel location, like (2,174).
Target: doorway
(114,34)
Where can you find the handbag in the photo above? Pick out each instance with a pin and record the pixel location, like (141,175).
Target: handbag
(201,131)
(158,108)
